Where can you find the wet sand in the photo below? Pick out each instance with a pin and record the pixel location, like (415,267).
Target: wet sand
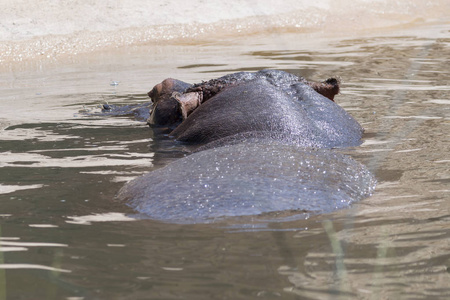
(49,31)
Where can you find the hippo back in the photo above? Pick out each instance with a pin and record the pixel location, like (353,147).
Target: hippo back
(249,179)
(260,106)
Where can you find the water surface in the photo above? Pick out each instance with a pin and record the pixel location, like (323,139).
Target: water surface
(63,236)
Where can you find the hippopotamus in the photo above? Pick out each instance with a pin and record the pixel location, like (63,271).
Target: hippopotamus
(173,100)
(266,142)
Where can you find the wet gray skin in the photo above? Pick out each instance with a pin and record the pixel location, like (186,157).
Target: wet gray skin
(140,112)
(258,105)
(169,110)
(266,145)
(249,179)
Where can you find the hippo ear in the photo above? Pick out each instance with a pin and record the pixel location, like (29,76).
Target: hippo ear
(187,102)
(165,112)
(165,89)
(328,88)
(155,93)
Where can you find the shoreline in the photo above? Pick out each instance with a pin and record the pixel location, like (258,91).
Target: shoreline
(323,19)
(58,49)
(54,90)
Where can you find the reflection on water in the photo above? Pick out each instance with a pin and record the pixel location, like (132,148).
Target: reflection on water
(63,236)
(108,217)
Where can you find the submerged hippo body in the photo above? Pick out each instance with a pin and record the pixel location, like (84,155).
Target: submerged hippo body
(265,145)
(248,179)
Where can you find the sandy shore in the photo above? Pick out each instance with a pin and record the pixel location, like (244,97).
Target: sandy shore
(24,19)
(49,29)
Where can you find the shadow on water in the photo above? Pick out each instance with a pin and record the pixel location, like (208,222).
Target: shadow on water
(63,236)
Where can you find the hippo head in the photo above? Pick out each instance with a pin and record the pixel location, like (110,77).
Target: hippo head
(166,109)
(174,100)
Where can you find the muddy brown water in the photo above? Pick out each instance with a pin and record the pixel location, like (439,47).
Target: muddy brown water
(63,236)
